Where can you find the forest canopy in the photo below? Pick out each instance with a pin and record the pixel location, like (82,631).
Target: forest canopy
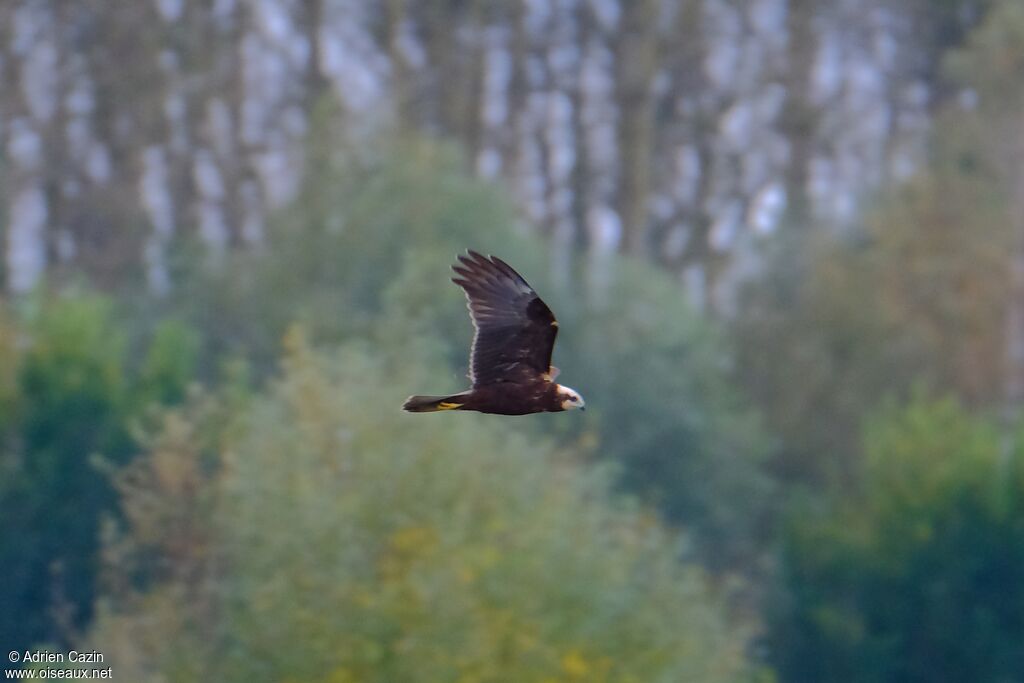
(785,244)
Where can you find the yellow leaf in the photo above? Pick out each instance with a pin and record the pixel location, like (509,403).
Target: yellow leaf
(574,664)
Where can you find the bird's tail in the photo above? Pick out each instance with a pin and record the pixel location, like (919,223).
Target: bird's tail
(433,404)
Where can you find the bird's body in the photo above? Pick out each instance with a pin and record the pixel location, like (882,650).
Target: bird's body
(510,360)
(498,399)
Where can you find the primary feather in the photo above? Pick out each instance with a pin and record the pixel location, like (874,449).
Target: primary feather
(515,330)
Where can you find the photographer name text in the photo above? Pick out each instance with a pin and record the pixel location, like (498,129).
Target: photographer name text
(73,657)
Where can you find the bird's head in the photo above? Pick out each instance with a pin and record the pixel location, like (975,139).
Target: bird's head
(570,398)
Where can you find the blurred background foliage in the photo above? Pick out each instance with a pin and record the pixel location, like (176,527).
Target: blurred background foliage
(289,503)
(337,540)
(803,464)
(917,575)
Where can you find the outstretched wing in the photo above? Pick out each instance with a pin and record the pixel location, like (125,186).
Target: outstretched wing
(515,330)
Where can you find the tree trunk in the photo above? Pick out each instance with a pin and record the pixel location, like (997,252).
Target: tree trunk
(636,63)
(582,176)
(1014,388)
(799,118)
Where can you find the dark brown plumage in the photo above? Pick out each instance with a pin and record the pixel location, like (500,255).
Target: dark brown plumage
(510,359)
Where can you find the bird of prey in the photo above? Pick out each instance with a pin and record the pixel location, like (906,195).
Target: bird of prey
(510,360)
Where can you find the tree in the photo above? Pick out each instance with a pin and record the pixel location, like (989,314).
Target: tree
(919,577)
(378,233)
(916,294)
(989,65)
(68,397)
(637,59)
(667,412)
(334,538)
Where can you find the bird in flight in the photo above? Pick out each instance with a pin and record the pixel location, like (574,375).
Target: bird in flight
(510,359)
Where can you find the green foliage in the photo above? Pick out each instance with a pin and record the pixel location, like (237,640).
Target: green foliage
(71,379)
(362,261)
(8,370)
(991,61)
(342,540)
(919,577)
(317,534)
(332,254)
(815,356)
(365,254)
(69,400)
(656,377)
(67,404)
(170,362)
(917,298)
